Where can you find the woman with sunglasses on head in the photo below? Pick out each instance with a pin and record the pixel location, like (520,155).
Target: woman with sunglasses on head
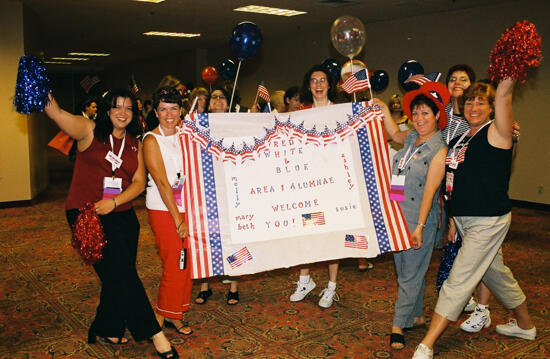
(109,172)
(218,103)
(164,161)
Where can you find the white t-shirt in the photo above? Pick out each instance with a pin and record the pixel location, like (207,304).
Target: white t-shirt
(172,156)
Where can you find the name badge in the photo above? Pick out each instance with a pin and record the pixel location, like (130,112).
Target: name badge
(176,190)
(112,187)
(113,159)
(397,188)
(453,163)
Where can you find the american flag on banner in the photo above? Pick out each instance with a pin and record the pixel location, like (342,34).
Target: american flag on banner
(263,93)
(218,247)
(239,258)
(313,219)
(88,82)
(357,82)
(352,241)
(421,79)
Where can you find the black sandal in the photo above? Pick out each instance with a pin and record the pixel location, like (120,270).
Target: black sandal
(203,296)
(179,329)
(232,296)
(171,354)
(92,339)
(396,338)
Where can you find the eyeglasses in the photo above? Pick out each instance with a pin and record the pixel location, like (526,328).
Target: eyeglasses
(322,80)
(217,97)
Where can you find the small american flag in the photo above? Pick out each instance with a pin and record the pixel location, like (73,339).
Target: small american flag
(88,82)
(352,241)
(239,258)
(357,82)
(459,157)
(263,93)
(313,219)
(421,79)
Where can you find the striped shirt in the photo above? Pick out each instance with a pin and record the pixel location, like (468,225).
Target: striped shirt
(456,125)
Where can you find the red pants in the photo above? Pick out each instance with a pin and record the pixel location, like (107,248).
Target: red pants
(175,284)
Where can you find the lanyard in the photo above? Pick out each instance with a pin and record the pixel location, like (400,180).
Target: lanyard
(453,152)
(174,145)
(119,151)
(406,160)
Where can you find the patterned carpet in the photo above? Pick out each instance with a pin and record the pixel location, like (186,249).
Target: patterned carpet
(48,297)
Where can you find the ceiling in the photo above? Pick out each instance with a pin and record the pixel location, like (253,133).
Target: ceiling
(117,26)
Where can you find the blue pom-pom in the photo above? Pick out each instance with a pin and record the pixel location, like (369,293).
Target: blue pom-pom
(449,254)
(33,86)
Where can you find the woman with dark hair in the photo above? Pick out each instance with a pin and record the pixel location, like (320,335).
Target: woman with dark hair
(164,162)
(417,172)
(89,108)
(292,99)
(218,103)
(318,90)
(318,87)
(109,173)
(477,177)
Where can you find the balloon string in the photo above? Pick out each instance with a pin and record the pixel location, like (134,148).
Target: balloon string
(351,69)
(234,85)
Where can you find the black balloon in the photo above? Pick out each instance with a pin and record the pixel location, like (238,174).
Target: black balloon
(227,69)
(379,80)
(406,70)
(245,40)
(333,68)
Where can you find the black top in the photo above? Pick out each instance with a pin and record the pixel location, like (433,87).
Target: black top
(481,181)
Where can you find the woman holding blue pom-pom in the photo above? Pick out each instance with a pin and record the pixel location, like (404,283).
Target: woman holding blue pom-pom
(109,172)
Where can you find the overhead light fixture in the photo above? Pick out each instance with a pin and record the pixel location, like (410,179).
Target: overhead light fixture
(71,58)
(170,34)
(57,62)
(269,10)
(87,54)
(153,1)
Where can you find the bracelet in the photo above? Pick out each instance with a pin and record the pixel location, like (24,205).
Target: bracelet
(114,201)
(179,225)
(421,224)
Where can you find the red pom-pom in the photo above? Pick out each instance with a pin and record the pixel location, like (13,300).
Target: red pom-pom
(517,50)
(88,237)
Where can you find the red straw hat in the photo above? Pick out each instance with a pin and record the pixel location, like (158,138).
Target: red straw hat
(436,92)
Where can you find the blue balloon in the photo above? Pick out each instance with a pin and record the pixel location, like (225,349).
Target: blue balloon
(379,80)
(245,40)
(333,68)
(228,69)
(406,70)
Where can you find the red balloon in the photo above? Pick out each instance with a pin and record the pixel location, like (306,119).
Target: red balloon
(209,75)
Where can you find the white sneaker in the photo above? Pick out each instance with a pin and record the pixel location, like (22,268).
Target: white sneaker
(327,297)
(302,289)
(423,352)
(471,306)
(478,320)
(513,330)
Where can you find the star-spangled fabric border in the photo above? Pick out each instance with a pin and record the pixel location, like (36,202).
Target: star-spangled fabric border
(211,205)
(201,134)
(372,186)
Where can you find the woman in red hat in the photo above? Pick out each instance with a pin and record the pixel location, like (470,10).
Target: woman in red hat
(417,172)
